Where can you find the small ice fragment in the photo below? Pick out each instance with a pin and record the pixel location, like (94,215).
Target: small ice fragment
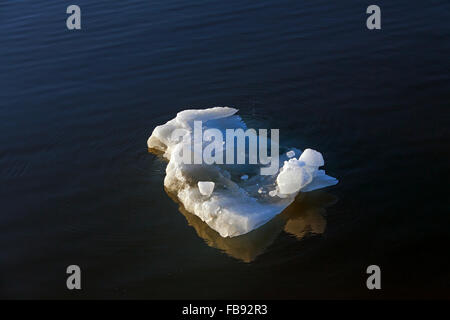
(205,187)
(261,190)
(244,177)
(312,158)
(273,193)
(293,176)
(290,154)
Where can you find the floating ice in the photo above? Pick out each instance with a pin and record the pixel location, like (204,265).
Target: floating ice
(312,158)
(206,187)
(293,176)
(244,177)
(290,154)
(273,193)
(238,206)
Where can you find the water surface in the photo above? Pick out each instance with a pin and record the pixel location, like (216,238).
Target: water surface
(79,187)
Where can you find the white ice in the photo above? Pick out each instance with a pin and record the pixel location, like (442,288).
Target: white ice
(206,187)
(234,206)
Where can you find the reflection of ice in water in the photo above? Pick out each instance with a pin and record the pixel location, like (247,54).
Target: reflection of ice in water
(302,218)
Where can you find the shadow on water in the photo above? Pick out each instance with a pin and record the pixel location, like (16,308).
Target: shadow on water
(305,216)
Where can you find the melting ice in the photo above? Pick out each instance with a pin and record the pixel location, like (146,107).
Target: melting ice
(233,199)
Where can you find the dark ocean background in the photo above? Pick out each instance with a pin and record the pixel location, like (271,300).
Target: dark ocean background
(78,185)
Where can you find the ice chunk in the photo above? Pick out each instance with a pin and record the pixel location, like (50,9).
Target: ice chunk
(312,158)
(290,154)
(206,188)
(293,176)
(303,174)
(237,207)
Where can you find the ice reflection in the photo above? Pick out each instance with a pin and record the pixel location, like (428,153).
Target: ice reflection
(305,216)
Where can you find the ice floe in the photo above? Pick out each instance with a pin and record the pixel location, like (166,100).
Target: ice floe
(217,193)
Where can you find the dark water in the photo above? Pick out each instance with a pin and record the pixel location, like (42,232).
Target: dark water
(79,187)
